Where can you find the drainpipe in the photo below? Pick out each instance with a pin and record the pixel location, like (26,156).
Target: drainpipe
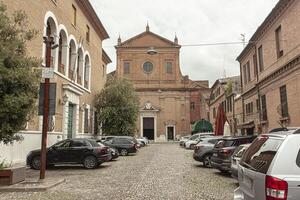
(257,86)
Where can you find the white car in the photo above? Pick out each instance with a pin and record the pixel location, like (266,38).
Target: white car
(194,139)
(143,140)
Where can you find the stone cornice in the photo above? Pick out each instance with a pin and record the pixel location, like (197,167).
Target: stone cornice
(105,58)
(281,71)
(93,18)
(277,11)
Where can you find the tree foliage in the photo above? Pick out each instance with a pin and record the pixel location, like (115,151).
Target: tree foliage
(18,80)
(118,107)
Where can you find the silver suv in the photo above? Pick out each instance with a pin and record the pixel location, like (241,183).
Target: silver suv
(270,167)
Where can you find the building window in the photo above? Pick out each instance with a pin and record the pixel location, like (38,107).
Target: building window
(87,68)
(87,33)
(260,59)
(214,112)
(72,59)
(249,108)
(192,105)
(247,73)
(86,120)
(148,67)
(255,64)
(126,67)
(278,37)
(168,67)
(264,108)
(284,102)
(74,15)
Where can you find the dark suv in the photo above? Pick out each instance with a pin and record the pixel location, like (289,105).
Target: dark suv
(72,151)
(124,144)
(223,150)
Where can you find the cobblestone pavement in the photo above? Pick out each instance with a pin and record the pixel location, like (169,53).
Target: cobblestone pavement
(159,171)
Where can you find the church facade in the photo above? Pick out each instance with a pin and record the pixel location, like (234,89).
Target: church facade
(169,101)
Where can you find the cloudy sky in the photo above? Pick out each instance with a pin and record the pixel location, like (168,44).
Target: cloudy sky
(195,22)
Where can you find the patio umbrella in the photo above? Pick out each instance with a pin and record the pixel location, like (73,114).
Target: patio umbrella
(220,121)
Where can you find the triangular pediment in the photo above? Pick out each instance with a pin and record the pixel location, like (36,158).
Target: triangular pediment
(148,39)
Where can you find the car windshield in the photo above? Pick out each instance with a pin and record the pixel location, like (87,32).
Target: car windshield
(224,143)
(260,154)
(193,137)
(239,152)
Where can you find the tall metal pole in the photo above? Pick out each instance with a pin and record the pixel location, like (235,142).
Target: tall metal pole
(48,41)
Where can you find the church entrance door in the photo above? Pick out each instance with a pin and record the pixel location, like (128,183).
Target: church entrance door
(148,127)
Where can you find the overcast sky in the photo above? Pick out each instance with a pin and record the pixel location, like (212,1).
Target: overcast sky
(195,22)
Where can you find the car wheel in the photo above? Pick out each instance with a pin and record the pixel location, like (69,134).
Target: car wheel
(206,161)
(90,162)
(35,163)
(192,146)
(124,152)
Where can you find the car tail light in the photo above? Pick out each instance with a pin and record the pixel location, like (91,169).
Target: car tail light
(198,147)
(103,150)
(276,189)
(135,146)
(225,151)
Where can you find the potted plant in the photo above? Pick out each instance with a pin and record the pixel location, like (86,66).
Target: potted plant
(10,174)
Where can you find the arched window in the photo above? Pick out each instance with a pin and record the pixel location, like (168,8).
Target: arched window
(62,52)
(51,30)
(79,70)
(72,59)
(87,67)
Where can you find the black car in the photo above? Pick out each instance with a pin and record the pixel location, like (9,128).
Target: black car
(87,152)
(124,144)
(114,153)
(223,150)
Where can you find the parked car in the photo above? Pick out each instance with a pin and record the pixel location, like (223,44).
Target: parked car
(223,150)
(270,168)
(183,139)
(203,150)
(194,139)
(106,137)
(236,157)
(123,144)
(114,154)
(87,152)
(143,140)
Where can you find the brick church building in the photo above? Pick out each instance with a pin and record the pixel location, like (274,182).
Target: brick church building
(169,101)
